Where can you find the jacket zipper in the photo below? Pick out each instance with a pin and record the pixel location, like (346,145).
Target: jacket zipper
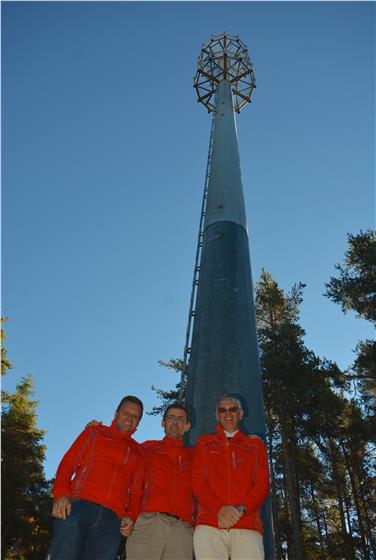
(116,469)
(76,486)
(233,460)
(174,478)
(228,471)
(127,455)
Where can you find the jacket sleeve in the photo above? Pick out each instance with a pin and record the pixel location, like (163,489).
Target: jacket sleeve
(261,485)
(205,495)
(136,487)
(71,462)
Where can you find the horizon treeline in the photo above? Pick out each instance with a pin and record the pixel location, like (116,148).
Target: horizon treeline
(320,429)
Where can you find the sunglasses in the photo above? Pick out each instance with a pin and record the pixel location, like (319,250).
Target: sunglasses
(223,409)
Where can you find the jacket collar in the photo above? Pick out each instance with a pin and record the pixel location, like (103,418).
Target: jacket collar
(116,430)
(174,442)
(221,433)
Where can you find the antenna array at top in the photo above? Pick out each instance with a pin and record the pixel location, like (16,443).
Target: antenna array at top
(224,57)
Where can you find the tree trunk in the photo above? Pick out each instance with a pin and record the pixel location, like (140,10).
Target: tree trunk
(277,537)
(348,505)
(348,550)
(289,543)
(4,534)
(290,478)
(369,525)
(317,519)
(325,526)
(356,501)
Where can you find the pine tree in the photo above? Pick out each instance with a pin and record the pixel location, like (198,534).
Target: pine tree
(167,397)
(26,502)
(285,364)
(5,363)
(355,289)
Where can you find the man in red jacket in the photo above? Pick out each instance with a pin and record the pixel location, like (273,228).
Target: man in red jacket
(98,487)
(230,479)
(164,528)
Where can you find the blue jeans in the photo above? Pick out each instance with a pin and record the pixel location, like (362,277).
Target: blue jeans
(91,532)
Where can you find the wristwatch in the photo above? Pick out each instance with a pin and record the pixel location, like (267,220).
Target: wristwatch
(242,509)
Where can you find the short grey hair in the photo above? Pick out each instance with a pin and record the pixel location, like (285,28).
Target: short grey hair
(229,398)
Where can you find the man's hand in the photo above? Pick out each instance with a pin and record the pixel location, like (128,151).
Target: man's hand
(93,423)
(126,526)
(61,508)
(228,516)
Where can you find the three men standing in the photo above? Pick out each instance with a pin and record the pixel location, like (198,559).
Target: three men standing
(229,478)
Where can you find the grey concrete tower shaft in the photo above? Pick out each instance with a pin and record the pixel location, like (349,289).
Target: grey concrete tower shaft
(224,355)
(224,351)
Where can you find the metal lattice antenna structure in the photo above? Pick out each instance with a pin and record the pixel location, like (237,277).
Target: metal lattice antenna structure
(224,57)
(223,348)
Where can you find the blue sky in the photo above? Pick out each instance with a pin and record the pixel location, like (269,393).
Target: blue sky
(104,152)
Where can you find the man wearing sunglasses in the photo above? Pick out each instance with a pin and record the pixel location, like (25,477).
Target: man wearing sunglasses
(230,481)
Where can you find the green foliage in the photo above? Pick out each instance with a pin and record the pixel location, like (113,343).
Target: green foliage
(273,306)
(5,363)
(172,395)
(365,369)
(320,442)
(355,288)
(26,502)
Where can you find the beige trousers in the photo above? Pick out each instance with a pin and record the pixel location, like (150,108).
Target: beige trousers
(157,536)
(221,544)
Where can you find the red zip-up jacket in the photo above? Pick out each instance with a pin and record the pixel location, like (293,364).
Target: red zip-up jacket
(107,468)
(167,485)
(232,472)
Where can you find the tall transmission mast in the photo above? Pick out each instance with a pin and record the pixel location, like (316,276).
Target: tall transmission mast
(222,348)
